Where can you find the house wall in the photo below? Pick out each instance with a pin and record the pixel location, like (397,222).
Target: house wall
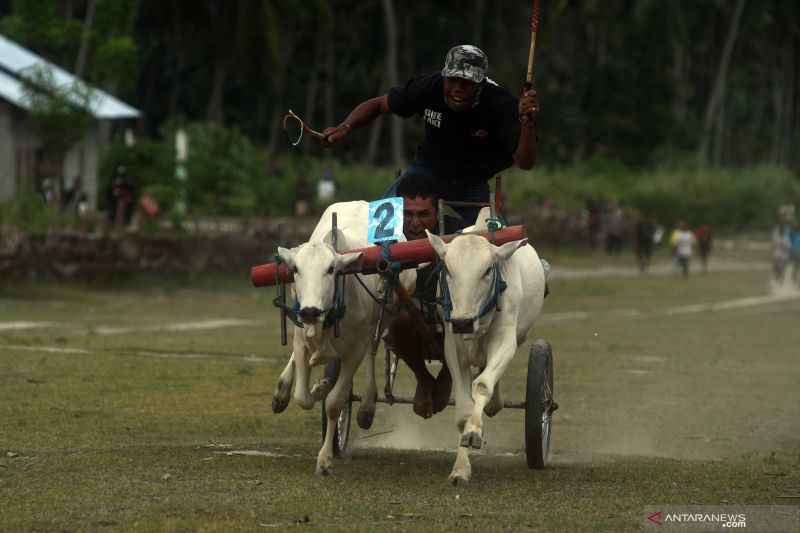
(18,147)
(7,172)
(84,160)
(24,147)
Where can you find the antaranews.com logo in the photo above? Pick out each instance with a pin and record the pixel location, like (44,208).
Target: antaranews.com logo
(725,520)
(701,518)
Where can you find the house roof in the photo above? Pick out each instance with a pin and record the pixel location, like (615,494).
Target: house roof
(14,59)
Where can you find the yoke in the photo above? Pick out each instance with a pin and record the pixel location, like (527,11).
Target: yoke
(409,254)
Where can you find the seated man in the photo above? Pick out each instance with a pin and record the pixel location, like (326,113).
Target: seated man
(420,214)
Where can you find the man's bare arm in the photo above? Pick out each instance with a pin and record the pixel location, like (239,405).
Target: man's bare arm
(362,115)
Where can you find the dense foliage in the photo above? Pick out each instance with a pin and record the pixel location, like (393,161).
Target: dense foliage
(627,88)
(622,79)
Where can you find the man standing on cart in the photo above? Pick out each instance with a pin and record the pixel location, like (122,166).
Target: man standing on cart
(473,127)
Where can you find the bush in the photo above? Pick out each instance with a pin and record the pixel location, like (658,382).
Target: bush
(29,213)
(150,166)
(228,175)
(728,199)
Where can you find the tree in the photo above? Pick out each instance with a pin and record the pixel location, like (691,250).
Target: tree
(390,20)
(715,108)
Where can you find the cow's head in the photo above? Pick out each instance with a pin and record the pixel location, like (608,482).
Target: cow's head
(470,271)
(315,265)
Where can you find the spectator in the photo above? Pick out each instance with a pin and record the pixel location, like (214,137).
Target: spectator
(326,187)
(48,191)
(121,198)
(645,231)
(592,214)
(705,238)
(781,249)
(613,226)
(74,200)
(274,170)
(302,193)
(684,242)
(794,253)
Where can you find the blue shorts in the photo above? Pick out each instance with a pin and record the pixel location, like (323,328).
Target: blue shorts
(464,192)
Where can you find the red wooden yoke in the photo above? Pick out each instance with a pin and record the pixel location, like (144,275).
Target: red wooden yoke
(419,251)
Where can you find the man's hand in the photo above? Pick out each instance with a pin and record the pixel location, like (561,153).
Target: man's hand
(334,134)
(528,107)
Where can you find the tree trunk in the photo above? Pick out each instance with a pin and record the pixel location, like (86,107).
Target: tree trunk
(785,134)
(177,54)
(478,21)
(777,104)
(215,111)
(718,155)
(717,97)
(313,89)
(374,141)
(409,63)
(376,129)
(280,87)
(678,36)
(83,49)
(754,130)
(329,95)
(390,20)
(151,77)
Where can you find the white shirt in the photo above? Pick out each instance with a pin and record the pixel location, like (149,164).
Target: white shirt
(684,242)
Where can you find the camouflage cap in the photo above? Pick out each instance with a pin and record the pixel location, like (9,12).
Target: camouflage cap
(466,61)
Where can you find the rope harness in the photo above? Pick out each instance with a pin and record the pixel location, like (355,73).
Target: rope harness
(337,309)
(498,284)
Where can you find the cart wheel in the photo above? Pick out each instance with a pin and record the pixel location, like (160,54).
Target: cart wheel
(539,404)
(342,432)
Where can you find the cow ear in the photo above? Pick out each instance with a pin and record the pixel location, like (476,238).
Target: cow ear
(328,237)
(353,262)
(287,255)
(507,250)
(438,244)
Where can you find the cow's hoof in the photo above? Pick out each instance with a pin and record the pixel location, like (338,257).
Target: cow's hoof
(323,471)
(365,419)
(458,481)
(471,440)
(279,406)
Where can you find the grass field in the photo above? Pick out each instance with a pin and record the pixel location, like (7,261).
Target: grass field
(146,407)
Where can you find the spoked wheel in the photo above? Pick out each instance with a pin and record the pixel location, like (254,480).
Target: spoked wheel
(391,370)
(539,404)
(341,433)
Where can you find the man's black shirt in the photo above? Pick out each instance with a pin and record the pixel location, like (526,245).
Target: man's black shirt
(469,146)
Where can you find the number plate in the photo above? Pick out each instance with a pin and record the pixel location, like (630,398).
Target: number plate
(385,220)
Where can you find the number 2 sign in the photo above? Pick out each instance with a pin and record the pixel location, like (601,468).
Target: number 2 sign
(385,220)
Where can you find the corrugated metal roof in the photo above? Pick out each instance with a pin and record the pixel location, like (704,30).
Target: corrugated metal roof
(14,59)
(11,90)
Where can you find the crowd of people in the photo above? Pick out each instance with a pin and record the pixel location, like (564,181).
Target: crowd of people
(119,202)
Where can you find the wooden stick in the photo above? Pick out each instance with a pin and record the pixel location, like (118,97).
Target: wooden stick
(534,27)
(529,79)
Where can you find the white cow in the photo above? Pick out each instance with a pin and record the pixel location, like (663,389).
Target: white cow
(315,264)
(488,341)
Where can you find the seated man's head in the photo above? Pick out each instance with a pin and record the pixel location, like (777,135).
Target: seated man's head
(420,205)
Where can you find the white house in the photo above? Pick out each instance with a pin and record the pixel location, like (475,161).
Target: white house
(21,150)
